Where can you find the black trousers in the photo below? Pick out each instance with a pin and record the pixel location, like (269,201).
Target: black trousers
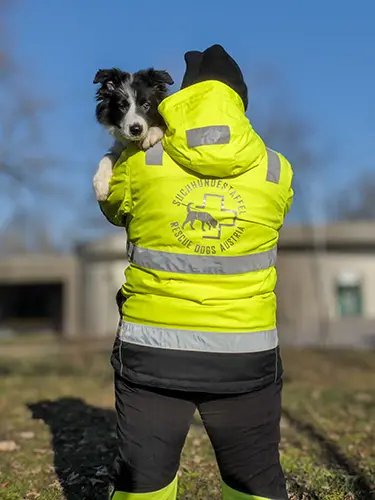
(244,429)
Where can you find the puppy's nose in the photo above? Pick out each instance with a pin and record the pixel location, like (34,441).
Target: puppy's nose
(136,129)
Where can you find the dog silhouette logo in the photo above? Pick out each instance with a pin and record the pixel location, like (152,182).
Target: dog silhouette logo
(204,217)
(207,218)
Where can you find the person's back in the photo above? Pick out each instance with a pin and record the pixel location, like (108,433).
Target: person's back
(203,211)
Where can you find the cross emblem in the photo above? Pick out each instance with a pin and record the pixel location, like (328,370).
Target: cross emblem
(216,202)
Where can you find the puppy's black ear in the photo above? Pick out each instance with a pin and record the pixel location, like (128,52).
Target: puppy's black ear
(113,76)
(102,76)
(164,77)
(156,77)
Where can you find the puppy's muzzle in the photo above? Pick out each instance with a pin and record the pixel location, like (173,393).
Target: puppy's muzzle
(136,130)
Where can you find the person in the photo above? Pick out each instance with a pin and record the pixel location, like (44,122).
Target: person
(202,210)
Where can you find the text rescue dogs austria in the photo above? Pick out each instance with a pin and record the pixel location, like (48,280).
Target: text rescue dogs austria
(200,217)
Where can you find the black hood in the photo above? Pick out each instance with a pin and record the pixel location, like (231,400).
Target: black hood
(214,64)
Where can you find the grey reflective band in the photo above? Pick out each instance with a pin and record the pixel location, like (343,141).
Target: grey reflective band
(154,155)
(274,166)
(196,340)
(201,264)
(207,136)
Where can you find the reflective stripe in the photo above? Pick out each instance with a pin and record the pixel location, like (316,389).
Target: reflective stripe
(201,264)
(274,166)
(167,493)
(154,155)
(231,494)
(195,340)
(206,136)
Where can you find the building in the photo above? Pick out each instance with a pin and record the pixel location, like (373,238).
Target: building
(102,265)
(40,293)
(326,288)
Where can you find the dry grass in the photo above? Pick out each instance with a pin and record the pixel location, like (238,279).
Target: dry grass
(57,433)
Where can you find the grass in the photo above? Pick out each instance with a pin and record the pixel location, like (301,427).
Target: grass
(57,428)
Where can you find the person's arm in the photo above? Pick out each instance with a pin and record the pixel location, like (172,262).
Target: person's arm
(118,203)
(289,173)
(289,201)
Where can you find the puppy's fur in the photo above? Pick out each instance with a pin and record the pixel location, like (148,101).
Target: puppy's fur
(128,108)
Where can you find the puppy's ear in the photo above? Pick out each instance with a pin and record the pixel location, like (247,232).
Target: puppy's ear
(110,77)
(163,77)
(157,77)
(102,76)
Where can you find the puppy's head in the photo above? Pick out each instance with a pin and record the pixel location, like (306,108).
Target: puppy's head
(128,103)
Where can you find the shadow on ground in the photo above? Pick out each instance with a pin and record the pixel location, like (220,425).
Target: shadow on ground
(361,486)
(84,444)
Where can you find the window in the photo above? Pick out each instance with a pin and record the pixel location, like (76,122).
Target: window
(349,299)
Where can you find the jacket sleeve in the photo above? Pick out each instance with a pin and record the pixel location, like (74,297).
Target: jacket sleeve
(290,195)
(289,201)
(118,204)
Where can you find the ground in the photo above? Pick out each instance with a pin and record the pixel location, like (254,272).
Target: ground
(57,427)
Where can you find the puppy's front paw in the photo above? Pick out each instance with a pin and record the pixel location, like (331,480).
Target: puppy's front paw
(101,188)
(102,179)
(154,135)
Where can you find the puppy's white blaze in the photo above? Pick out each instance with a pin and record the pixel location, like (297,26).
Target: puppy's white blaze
(132,117)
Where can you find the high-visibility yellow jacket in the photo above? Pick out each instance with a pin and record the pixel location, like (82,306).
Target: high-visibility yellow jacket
(203,210)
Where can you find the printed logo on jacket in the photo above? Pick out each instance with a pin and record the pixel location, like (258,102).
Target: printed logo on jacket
(209,221)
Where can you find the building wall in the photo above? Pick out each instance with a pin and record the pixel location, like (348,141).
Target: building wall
(22,269)
(307,298)
(101,279)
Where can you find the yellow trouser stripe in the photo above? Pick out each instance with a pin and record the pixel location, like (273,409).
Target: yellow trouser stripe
(230,494)
(167,493)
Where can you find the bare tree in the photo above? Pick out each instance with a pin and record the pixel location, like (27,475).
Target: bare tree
(274,112)
(289,133)
(23,161)
(23,166)
(275,115)
(357,200)
(20,130)
(27,180)
(26,234)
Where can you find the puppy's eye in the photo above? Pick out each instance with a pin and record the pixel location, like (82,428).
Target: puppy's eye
(146,106)
(123,105)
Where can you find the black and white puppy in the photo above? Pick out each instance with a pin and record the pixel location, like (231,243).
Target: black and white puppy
(128,108)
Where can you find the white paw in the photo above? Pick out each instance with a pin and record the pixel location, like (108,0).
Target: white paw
(102,179)
(154,135)
(101,188)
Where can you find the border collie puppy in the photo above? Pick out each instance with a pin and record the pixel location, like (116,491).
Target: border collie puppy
(128,108)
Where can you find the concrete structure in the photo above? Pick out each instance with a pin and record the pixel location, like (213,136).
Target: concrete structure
(40,292)
(326,289)
(102,265)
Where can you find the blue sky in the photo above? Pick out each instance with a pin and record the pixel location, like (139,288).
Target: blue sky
(323,50)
